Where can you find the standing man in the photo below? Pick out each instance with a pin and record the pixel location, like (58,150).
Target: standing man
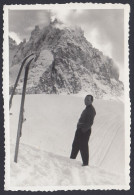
(83,131)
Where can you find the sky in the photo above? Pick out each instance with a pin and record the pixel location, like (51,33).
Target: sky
(103,28)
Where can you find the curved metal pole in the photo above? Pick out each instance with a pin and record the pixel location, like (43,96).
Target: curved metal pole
(21,110)
(16,82)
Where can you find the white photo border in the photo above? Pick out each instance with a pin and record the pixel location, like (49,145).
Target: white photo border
(6,8)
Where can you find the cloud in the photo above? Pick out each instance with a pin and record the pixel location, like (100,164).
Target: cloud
(61,15)
(103,28)
(23,22)
(15,37)
(94,37)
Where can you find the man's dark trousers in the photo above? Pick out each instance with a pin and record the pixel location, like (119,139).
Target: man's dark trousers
(80,143)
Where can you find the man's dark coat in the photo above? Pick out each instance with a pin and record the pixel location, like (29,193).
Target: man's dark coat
(86,119)
(83,133)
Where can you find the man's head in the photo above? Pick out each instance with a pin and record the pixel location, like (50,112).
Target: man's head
(88,100)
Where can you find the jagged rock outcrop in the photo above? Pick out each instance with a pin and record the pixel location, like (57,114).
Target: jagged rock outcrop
(12,49)
(68,63)
(12,43)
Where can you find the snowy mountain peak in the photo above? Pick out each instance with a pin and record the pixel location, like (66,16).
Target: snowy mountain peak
(73,65)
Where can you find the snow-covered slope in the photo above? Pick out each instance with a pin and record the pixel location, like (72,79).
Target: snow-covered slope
(40,168)
(47,138)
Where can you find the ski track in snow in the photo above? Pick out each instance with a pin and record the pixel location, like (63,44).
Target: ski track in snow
(47,138)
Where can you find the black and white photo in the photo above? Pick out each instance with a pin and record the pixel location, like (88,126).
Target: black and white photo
(66,96)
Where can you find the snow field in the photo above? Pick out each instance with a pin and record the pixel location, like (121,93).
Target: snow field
(39,168)
(47,137)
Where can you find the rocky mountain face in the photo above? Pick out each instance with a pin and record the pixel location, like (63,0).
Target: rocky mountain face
(12,43)
(67,64)
(12,49)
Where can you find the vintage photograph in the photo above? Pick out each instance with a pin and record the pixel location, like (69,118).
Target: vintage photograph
(66,96)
